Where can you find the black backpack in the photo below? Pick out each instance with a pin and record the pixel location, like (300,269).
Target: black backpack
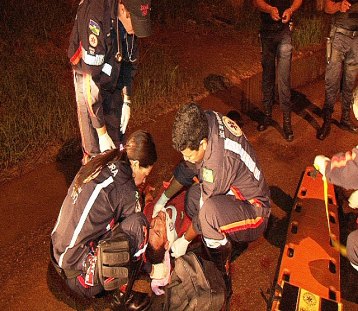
(196,284)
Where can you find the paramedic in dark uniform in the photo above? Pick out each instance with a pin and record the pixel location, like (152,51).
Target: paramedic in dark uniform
(103,202)
(103,52)
(342,63)
(342,170)
(276,41)
(231,200)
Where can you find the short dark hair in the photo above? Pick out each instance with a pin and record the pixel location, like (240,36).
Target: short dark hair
(155,255)
(190,127)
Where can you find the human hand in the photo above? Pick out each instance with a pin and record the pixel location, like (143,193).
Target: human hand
(275,14)
(126,113)
(105,142)
(179,247)
(353,200)
(165,272)
(160,205)
(286,16)
(320,163)
(345,6)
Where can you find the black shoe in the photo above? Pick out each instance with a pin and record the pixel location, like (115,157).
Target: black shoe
(287,128)
(137,301)
(288,134)
(348,126)
(324,131)
(265,124)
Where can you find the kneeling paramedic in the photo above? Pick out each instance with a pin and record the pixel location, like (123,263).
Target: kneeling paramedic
(231,200)
(101,234)
(342,170)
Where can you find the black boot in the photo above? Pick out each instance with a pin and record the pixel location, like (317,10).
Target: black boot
(267,121)
(220,256)
(287,128)
(346,123)
(324,131)
(136,301)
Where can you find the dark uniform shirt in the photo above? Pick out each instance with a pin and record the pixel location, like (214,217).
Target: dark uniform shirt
(267,23)
(94,46)
(229,164)
(343,169)
(112,197)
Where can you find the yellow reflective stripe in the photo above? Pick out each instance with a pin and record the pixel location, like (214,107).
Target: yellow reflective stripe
(87,91)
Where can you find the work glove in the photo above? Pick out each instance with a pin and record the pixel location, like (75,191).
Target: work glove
(160,205)
(180,246)
(353,200)
(126,114)
(105,142)
(165,267)
(320,163)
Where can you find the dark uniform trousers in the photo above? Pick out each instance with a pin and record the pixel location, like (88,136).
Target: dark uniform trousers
(276,45)
(240,220)
(343,63)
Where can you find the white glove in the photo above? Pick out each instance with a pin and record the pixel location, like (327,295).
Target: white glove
(355,103)
(159,206)
(180,246)
(320,163)
(156,284)
(353,200)
(105,142)
(126,114)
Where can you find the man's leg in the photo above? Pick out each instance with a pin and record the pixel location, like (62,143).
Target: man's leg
(89,136)
(112,109)
(348,84)
(223,218)
(332,86)
(352,249)
(268,62)
(284,81)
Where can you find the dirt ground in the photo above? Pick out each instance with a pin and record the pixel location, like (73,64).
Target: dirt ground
(29,204)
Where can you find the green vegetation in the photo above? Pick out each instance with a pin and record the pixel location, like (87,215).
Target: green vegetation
(37,104)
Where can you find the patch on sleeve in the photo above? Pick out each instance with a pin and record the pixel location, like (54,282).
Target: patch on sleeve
(208,175)
(232,126)
(94,27)
(93,41)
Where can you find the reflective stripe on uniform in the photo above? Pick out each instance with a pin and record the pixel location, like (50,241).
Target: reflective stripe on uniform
(92,60)
(87,92)
(84,215)
(251,223)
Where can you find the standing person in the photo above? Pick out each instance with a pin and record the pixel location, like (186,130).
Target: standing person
(342,63)
(103,204)
(342,170)
(231,200)
(276,41)
(103,52)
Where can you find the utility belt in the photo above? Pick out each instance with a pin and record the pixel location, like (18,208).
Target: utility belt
(109,264)
(346,32)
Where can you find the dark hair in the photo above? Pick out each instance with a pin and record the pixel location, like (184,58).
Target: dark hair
(155,255)
(190,127)
(140,146)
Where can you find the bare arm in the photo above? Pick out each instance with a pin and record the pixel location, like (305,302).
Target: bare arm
(287,15)
(332,7)
(190,234)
